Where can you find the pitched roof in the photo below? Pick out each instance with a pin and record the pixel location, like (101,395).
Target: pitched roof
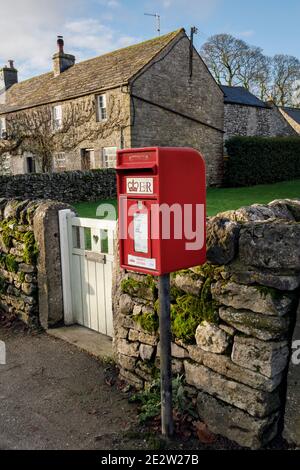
(240,95)
(103,72)
(294,113)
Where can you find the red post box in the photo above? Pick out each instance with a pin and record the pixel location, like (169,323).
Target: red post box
(162,209)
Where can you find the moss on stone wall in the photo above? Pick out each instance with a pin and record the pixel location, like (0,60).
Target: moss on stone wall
(148,321)
(21,277)
(11,263)
(189,311)
(274,293)
(208,305)
(7,232)
(145,289)
(30,248)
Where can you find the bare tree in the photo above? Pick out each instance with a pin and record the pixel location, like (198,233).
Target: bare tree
(233,62)
(255,72)
(296,98)
(35,131)
(286,76)
(223,55)
(262,85)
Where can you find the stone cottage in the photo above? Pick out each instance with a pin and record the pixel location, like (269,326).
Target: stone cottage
(155,93)
(247,115)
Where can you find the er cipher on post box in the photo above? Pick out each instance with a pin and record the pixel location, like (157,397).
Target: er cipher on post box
(162,209)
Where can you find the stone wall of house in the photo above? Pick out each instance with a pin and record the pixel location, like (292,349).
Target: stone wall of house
(250,121)
(71,186)
(30,269)
(166,82)
(97,135)
(232,322)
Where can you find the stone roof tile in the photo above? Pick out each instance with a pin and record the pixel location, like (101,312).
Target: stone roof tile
(100,73)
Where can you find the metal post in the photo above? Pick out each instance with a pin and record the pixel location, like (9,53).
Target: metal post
(165,356)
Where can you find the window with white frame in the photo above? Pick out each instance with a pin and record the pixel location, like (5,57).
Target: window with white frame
(109,155)
(57,117)
(60,161)
(2,127)
(102,109)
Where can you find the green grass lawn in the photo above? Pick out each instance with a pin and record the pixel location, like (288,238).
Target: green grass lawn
(223,199)
(89,209)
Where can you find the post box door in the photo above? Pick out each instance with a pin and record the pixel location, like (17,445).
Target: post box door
(139,249)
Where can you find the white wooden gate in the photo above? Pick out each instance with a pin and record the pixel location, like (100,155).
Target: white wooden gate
(87,248)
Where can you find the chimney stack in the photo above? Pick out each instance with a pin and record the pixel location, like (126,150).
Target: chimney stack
(62,61)
(8,76)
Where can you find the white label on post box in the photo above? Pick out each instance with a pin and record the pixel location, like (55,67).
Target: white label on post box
(140,232)
(148,263)
(139,185)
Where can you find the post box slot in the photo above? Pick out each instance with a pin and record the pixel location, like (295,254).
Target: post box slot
(133,168)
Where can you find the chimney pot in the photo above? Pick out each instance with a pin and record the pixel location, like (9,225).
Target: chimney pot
(9,76)
(60,43)
(62,61)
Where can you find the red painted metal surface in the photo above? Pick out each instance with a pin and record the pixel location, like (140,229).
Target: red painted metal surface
(155,185)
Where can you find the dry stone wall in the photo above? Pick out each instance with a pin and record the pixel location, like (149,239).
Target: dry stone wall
(30,270)
(232,322)
(68,186)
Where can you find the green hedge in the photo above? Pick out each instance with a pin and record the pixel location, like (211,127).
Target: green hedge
(262,160)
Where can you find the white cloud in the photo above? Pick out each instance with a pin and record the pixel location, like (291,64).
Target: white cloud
(90,37)
(28,31)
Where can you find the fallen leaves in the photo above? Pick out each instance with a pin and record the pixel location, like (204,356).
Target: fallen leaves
(204,435)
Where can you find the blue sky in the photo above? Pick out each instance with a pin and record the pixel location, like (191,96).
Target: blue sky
(28,28)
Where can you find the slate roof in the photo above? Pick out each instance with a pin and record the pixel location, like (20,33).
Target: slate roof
(240,95)
(294,113)
(101,73)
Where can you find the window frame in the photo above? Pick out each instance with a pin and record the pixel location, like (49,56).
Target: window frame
(57,123)
(102,109)
(58,160)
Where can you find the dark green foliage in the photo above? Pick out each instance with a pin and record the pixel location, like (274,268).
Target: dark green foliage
(11,264)
(262,160)
(150,399)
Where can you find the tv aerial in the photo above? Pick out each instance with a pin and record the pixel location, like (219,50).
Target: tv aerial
(157,18)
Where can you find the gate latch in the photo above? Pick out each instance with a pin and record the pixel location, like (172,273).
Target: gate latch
(97,257)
